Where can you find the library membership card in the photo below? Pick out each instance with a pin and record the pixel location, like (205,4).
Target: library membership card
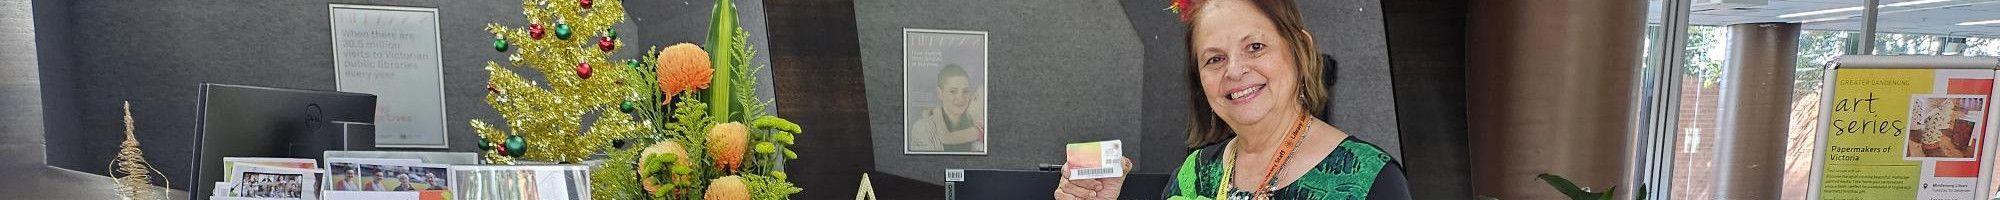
(1093,160)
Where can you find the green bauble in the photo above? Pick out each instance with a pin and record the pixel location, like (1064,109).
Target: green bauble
(562,31)
(485,146)
(500,44)
(610,32)
(626,106)
(632,63)
(516,146)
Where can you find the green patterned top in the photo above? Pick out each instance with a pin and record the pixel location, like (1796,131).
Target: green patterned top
(1347,173)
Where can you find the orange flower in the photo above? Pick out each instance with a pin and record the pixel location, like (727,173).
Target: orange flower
(727,188)
(726,143)
(683,67)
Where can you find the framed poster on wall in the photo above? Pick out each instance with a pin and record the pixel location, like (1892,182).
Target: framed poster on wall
(392,52)
(944,92)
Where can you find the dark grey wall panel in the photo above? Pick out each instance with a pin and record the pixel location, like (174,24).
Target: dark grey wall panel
(1166,86)
(1427,50)
(57,77)
(1061,71)
(154,52)
(1363,102)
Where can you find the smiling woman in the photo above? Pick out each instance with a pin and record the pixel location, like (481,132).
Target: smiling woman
(1256,77)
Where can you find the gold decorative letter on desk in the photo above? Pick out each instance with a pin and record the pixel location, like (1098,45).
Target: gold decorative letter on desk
(867,190)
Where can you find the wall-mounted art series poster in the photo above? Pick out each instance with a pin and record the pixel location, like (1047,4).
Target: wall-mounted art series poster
(944,92)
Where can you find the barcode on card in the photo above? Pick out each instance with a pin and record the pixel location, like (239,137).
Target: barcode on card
(1095,172)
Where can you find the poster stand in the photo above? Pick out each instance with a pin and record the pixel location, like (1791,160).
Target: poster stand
(1876,106)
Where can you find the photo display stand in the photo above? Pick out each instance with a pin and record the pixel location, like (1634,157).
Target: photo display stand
(1905,127)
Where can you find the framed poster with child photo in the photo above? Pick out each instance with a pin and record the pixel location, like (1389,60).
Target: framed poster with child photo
(944,92)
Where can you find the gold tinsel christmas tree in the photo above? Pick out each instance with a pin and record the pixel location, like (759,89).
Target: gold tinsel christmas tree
(690,119)
(136,181)
(566,42)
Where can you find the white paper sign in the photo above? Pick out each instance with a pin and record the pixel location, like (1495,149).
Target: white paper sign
(393,53)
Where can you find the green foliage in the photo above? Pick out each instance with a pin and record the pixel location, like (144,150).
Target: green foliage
(775,123)
(1701,63)
(644,84)
(745,81)
(1573,192)
(1816,48)
(615,179)
(769,188)
(722,31)
(692,122)
(766,148)
(690,129)
(685,119)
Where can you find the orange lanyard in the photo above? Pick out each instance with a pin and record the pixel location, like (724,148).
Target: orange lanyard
(1285,152)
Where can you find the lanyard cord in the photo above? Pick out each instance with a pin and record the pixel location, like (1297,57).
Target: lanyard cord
(1284,153)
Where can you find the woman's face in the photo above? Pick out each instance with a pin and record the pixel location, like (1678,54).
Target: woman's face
(953,94)
(1246,68)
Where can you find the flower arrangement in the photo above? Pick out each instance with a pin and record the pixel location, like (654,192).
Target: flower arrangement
(687,123)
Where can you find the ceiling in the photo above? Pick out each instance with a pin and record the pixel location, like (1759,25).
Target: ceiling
(1907,16)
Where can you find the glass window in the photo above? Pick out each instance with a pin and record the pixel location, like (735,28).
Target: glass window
(1830,29)
(1938,27)
(1943,28)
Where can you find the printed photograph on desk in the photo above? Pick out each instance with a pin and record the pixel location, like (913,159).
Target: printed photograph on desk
(229,164)
(268,185)
(1944,127)
(400,178)
(356,178)
(360,174)
(945,77)
(271,182)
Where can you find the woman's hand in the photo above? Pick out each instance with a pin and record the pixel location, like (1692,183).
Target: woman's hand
(1091,189)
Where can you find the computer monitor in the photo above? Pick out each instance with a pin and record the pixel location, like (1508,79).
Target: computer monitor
(252,121)
(981,184)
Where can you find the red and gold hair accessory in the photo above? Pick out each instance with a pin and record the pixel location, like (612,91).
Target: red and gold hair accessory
(1183,7)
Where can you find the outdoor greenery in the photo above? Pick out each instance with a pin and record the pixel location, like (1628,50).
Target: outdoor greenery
(1708,49)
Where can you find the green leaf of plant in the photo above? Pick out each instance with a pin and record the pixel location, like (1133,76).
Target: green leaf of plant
(1607,194)
(1642,193)
(1565,186)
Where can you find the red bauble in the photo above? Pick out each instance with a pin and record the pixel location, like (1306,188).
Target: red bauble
(535,31)
(583,70)
(502,151)
(584,3)
(489,88)
(605,44)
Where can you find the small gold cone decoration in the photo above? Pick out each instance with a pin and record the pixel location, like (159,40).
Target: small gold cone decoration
(133,172)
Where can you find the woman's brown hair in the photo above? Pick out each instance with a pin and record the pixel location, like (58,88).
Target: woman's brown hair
(1204,126)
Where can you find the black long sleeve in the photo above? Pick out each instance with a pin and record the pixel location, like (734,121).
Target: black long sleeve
(1390,183)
